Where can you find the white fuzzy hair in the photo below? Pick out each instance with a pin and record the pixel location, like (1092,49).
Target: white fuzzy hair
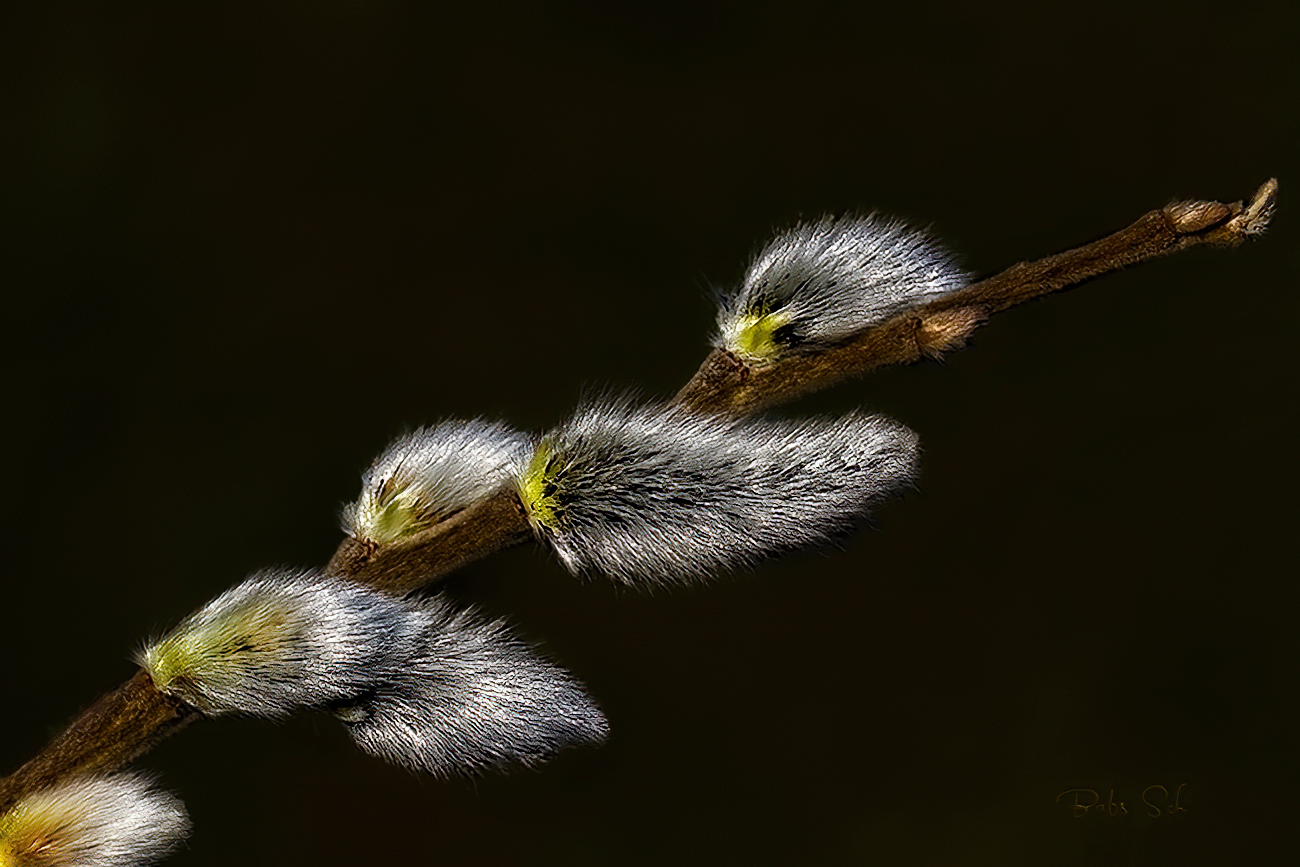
(103,821)
(418,681)
(833,277)
(657,494)
(475,698)
(433,472)
(279,641)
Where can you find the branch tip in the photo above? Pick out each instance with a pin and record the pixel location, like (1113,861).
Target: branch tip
(1254,218)
(1218,224)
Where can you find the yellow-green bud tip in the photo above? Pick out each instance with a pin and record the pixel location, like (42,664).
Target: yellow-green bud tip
(92,820)
(752,336)
(537,486)
(392,513)
(7,856)
(23,834)
(212,652)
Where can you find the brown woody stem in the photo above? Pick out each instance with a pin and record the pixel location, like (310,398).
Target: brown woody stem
(484,528)
(725,383)
(111,732)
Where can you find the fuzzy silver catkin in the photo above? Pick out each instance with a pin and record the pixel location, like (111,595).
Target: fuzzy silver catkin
(474,698)
(103,821)
(280,641)
(822,281)
(419,683)
(431,473)
(658,494)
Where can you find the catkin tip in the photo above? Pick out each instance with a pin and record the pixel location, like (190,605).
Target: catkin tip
(474,697)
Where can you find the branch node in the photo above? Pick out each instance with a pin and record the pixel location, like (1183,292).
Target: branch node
(947,330)
(1191,217)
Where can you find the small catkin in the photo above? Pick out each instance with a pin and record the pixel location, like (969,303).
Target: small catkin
(103,821)
(280,641)
(657,494)
(820,282)
(429,475)
(474,698)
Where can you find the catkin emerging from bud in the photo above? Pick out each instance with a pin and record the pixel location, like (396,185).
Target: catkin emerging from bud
(429,475)
(117,821)
(658,494)
(280,641)
(475,697)
(821,282)
(418,682)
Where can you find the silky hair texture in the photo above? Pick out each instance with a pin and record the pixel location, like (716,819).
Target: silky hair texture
(431,473)
(474,698)
(417,681)
(280,641)
(657,494)
(106,821)
(822,281)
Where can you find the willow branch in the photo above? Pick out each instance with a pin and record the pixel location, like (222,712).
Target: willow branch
(727,383)
(120,726)
(487,527)
(129,721)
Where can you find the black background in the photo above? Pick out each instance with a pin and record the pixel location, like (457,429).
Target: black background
(247,245)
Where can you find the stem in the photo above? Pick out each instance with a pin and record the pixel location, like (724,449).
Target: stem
(486,527)
(121,725)
(725,383)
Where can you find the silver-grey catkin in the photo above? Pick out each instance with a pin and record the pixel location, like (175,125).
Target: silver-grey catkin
(474,698)
(420,683)
(280,641)
(658,494)
(822,281)
(431,473)
(120,820)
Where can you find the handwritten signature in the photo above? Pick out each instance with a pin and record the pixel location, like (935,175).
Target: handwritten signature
(1084,801)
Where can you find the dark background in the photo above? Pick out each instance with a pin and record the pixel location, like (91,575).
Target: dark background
(245,247)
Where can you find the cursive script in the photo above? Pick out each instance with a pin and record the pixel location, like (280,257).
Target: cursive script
(1156,800)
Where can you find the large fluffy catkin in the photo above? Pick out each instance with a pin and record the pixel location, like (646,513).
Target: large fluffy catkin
(419,682)
(431,473)
(822,281)
(658,494)
(280,641)
(473,698)
(103,821)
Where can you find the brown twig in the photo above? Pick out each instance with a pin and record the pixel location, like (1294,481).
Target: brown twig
(726,383)
(484,528)
(128,721)
(121,725)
